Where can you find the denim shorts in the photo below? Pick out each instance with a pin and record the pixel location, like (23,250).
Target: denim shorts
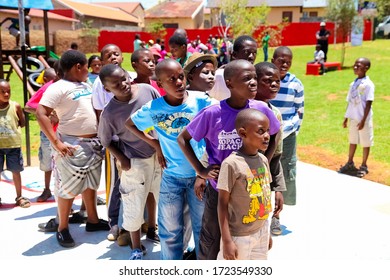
(13,158)
(45,154)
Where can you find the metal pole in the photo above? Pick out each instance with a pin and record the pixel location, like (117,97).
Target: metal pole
(24,71)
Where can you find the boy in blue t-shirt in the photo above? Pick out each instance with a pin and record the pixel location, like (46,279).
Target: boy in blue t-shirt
(169,115)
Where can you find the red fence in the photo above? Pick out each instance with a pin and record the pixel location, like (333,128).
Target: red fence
(294,34)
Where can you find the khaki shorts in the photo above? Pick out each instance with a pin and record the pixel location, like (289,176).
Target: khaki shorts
(364,137)
(143,177)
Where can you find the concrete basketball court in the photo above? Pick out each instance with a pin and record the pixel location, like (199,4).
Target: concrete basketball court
(337,217)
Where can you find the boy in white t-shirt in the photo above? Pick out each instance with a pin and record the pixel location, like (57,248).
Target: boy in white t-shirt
(359,112)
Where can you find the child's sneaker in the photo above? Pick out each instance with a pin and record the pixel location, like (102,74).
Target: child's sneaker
(124,238)
(151,235)
(363,170)
(275,226)
(113,233)
(348,168)
(136,254)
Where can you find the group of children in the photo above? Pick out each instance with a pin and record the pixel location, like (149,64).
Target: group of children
(207,151)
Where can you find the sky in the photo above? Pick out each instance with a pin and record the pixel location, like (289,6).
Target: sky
(145,3)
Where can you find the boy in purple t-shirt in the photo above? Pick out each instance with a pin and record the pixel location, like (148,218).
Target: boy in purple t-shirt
(216,124)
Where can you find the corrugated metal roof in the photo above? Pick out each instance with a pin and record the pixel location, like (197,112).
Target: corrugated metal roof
(174,9)
(98,11)
(39,14)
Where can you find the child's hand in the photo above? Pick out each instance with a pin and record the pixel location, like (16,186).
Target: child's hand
(279,200)
(160,157)
(360,125)
(211,172)
(230,251)
(199,186)
(125,164)
(345,123)
(63,149)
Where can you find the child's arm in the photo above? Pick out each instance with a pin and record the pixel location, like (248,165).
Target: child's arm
(229,248)
(269,153)
(148,139)
(120,156)
(210,172)
(19,112)
(366,111)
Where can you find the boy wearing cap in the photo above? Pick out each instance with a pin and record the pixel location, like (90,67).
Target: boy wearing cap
(322,36)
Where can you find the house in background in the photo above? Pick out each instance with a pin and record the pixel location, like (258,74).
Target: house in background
(132,8)
(96,16)
(314,10)
(281,10)
(56,22)
(187,14)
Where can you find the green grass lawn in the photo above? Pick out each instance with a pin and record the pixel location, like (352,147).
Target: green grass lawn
(324,99)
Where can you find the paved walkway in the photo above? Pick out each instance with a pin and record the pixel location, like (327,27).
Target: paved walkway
(337,217)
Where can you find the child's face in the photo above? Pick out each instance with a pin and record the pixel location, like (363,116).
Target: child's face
(96,65)
(283,62)
(203,77)
(268,85)
(112,55)
(256,134)
(145,65)
(360,68)
(173,81)
(248,51)
(244,84)
(118,83)
(178,51)
(5,92)
(82,72)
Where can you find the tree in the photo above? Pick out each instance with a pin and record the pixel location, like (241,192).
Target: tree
(383,7)
(342,12)
(157,29)
(241,19)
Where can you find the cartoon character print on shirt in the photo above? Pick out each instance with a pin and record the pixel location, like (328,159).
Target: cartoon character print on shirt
(258,187)
(173,123)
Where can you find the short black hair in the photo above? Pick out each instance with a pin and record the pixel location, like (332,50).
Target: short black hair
(71,58)
(366,61)
(177,39)
(247,115)
(106,47)
(51,61)
(262,67)
(74,46)
(282,50)
(239,42)
(231,68)
(162,65)
(92,58)
(4,81)
(107,71)
(137,54)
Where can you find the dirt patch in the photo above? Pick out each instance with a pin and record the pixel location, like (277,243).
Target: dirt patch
(379,172)
(332,97)
(387,98)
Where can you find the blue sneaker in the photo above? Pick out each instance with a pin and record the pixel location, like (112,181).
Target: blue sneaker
(136,255)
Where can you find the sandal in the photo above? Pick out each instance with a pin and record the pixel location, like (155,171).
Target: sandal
(46,194)
(23,202)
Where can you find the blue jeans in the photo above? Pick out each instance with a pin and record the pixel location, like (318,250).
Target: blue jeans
(174,194)
(265,51)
